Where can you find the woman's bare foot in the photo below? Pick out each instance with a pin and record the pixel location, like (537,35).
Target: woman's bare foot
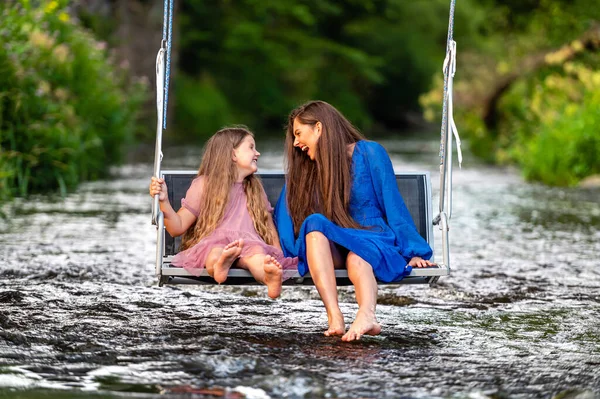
(273,276)
(230,253)
(336,324)
(365,323)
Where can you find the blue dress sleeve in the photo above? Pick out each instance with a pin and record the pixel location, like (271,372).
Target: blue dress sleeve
(391,203)
(285,226)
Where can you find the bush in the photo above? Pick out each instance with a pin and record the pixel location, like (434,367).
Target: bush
(548,123)
(563,146)
(541,58)
(66,111)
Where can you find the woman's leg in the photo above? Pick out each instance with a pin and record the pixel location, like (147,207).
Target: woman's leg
(362,276)
(221,264)
(265,269)
(322,256)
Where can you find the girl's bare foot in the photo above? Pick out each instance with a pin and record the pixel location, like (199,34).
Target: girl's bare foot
(230,253)
(336,324)
(273,276)
(365,323)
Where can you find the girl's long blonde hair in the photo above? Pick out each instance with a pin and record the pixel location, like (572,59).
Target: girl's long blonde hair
(220,173)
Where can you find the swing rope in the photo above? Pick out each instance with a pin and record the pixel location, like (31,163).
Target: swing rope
(449,68)
(163,74)
(448,128)
(168,38)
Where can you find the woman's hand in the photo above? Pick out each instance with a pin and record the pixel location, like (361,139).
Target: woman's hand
(420,262)
(158,186)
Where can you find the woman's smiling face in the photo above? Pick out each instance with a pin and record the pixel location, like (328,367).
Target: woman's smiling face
(306,137)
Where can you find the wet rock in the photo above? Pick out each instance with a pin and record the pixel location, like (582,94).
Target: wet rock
(394,300)
(590,182)
(15,337)
(249,293)
(7,322)
(107,308)
(576,394)
(216,392)
(47,275)
(148,305)
(11,296)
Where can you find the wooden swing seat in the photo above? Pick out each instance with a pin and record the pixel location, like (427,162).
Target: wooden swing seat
(414,187)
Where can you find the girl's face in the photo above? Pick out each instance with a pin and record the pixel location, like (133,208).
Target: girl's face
(245,157)
(306,137)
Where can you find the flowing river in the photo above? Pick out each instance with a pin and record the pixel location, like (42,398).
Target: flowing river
(81,315)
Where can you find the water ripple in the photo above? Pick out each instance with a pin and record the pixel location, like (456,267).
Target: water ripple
(518,317)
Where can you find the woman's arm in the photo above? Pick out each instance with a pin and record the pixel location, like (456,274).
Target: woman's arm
(285,226)
(270,223)
(393,206)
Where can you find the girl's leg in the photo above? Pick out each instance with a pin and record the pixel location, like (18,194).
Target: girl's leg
(223,263)
(362,276)
(322,256)
(265,269)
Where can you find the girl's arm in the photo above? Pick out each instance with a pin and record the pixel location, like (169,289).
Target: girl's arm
(178,222)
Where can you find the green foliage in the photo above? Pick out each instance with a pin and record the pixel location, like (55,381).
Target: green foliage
(547,115)
(557,138)
(200,106)
(371,59)
(65,110)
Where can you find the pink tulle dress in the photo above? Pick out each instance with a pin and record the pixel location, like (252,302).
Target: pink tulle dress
(236,224)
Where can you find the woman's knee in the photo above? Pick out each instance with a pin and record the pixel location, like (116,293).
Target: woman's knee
(353,260)
(355,265)
(316,238)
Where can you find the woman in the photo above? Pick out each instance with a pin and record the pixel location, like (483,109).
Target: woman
(341,208)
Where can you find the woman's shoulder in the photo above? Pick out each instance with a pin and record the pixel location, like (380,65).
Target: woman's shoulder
(371,147)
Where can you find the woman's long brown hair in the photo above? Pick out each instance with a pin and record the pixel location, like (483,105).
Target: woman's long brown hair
(323,185)
(220,173)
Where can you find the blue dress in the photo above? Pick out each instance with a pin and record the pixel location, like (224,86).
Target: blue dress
(392,238)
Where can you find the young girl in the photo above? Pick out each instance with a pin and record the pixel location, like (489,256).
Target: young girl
(226,215)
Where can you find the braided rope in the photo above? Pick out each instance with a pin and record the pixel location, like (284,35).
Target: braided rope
(447,68)
(168,36)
